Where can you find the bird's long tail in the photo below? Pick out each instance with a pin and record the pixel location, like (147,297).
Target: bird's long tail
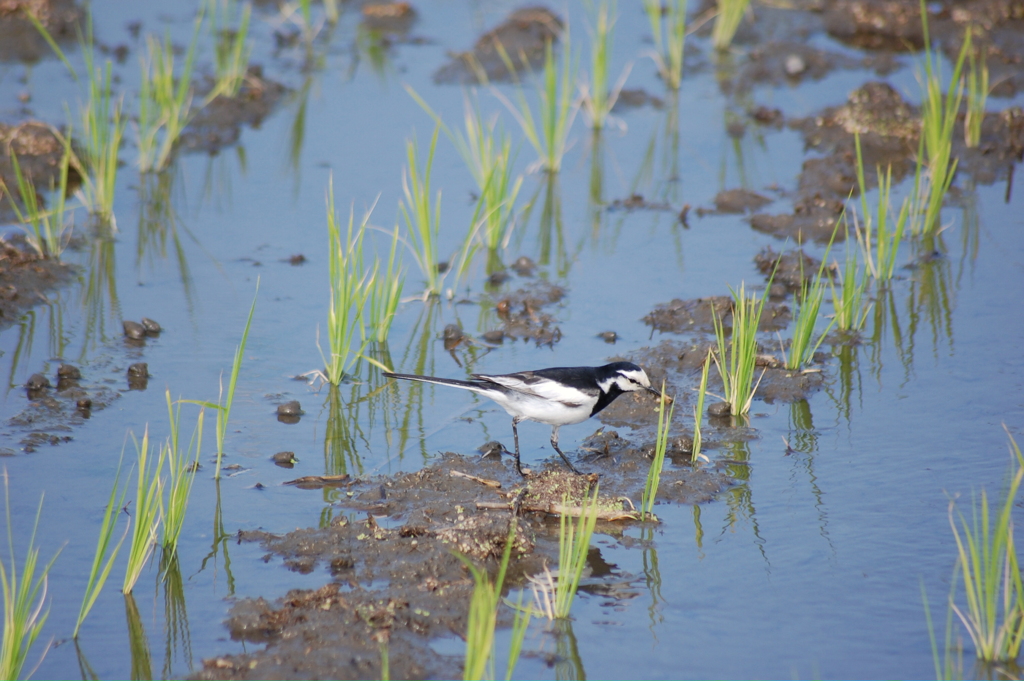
(465,385)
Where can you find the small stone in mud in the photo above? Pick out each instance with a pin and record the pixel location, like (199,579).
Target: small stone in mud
(608,336)
(498,278)
(151,327)
(297,259)
(133,330)
(767,116)
(494,337)
(138,376)
(69,372)
(259,485)
(289,412)
(523,266)
(719,409)
(739,201)
(795,65)
(285,459)
(139,369)
(84,405)
(193,467)
(442,267)
(37,383)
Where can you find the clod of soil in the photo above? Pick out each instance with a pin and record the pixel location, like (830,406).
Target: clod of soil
(402,583)
(26,278)
(39,150)
(893,25)
(219,124)
(739,201)
(388,17)
(20,41)
(792,269)
(697,315)
(522,317)
(522,37)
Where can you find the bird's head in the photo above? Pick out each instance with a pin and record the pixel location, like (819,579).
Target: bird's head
(626,376)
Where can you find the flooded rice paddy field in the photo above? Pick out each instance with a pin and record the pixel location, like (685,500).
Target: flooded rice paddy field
(799,550)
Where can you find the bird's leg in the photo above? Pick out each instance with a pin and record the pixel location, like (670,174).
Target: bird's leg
(554,443)
(515,436)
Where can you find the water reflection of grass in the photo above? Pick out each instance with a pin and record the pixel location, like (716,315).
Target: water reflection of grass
(221,540)
(138,644)
(179,639)
(159,224)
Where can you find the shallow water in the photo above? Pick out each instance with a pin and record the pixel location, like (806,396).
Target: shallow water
(811,565)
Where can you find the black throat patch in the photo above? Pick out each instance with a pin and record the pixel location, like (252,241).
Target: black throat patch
(606,398)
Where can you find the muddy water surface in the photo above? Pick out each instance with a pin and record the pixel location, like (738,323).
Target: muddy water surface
(799,550)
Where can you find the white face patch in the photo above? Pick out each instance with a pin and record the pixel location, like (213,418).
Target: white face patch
(627,381)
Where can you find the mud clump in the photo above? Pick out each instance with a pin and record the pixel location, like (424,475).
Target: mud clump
(401,583)
(26,278)
(697,315)
(739,201)
(791,269)
(219,124)
(519,41)
(893,25)
(20,41)
(522,317)
(40,151)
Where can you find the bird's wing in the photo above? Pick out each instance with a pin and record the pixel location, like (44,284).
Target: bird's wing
(529,383)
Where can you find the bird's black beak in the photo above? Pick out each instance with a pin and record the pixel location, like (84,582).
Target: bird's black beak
(668,398)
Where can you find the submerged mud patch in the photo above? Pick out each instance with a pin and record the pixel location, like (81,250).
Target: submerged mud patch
(518,42)
(219,124)
(395,579)
(26,279)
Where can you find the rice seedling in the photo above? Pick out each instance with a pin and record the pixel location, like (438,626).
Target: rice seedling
(668,26)
(102,131)
(224,406)
(987,560)
(181,467)
(106,549)
(553,595)
(24,599)
(520,623)
(598,98)
(350,290)
(730,14)
(548,132)
(950,664)
(231,49)
(47,231)
(423,225)
(939,114)
(148,510)
(880,236)
(849,299)
(423,219)
(385,292)
(483,614)
(658,462)
(977,93)
(495,209)
(698,411)
(803,346)
(736,367)
(165,100)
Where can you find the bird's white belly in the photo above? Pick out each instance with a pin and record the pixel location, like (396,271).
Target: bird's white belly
(545,411)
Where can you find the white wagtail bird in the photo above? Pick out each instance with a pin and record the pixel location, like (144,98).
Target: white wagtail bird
(560,396)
